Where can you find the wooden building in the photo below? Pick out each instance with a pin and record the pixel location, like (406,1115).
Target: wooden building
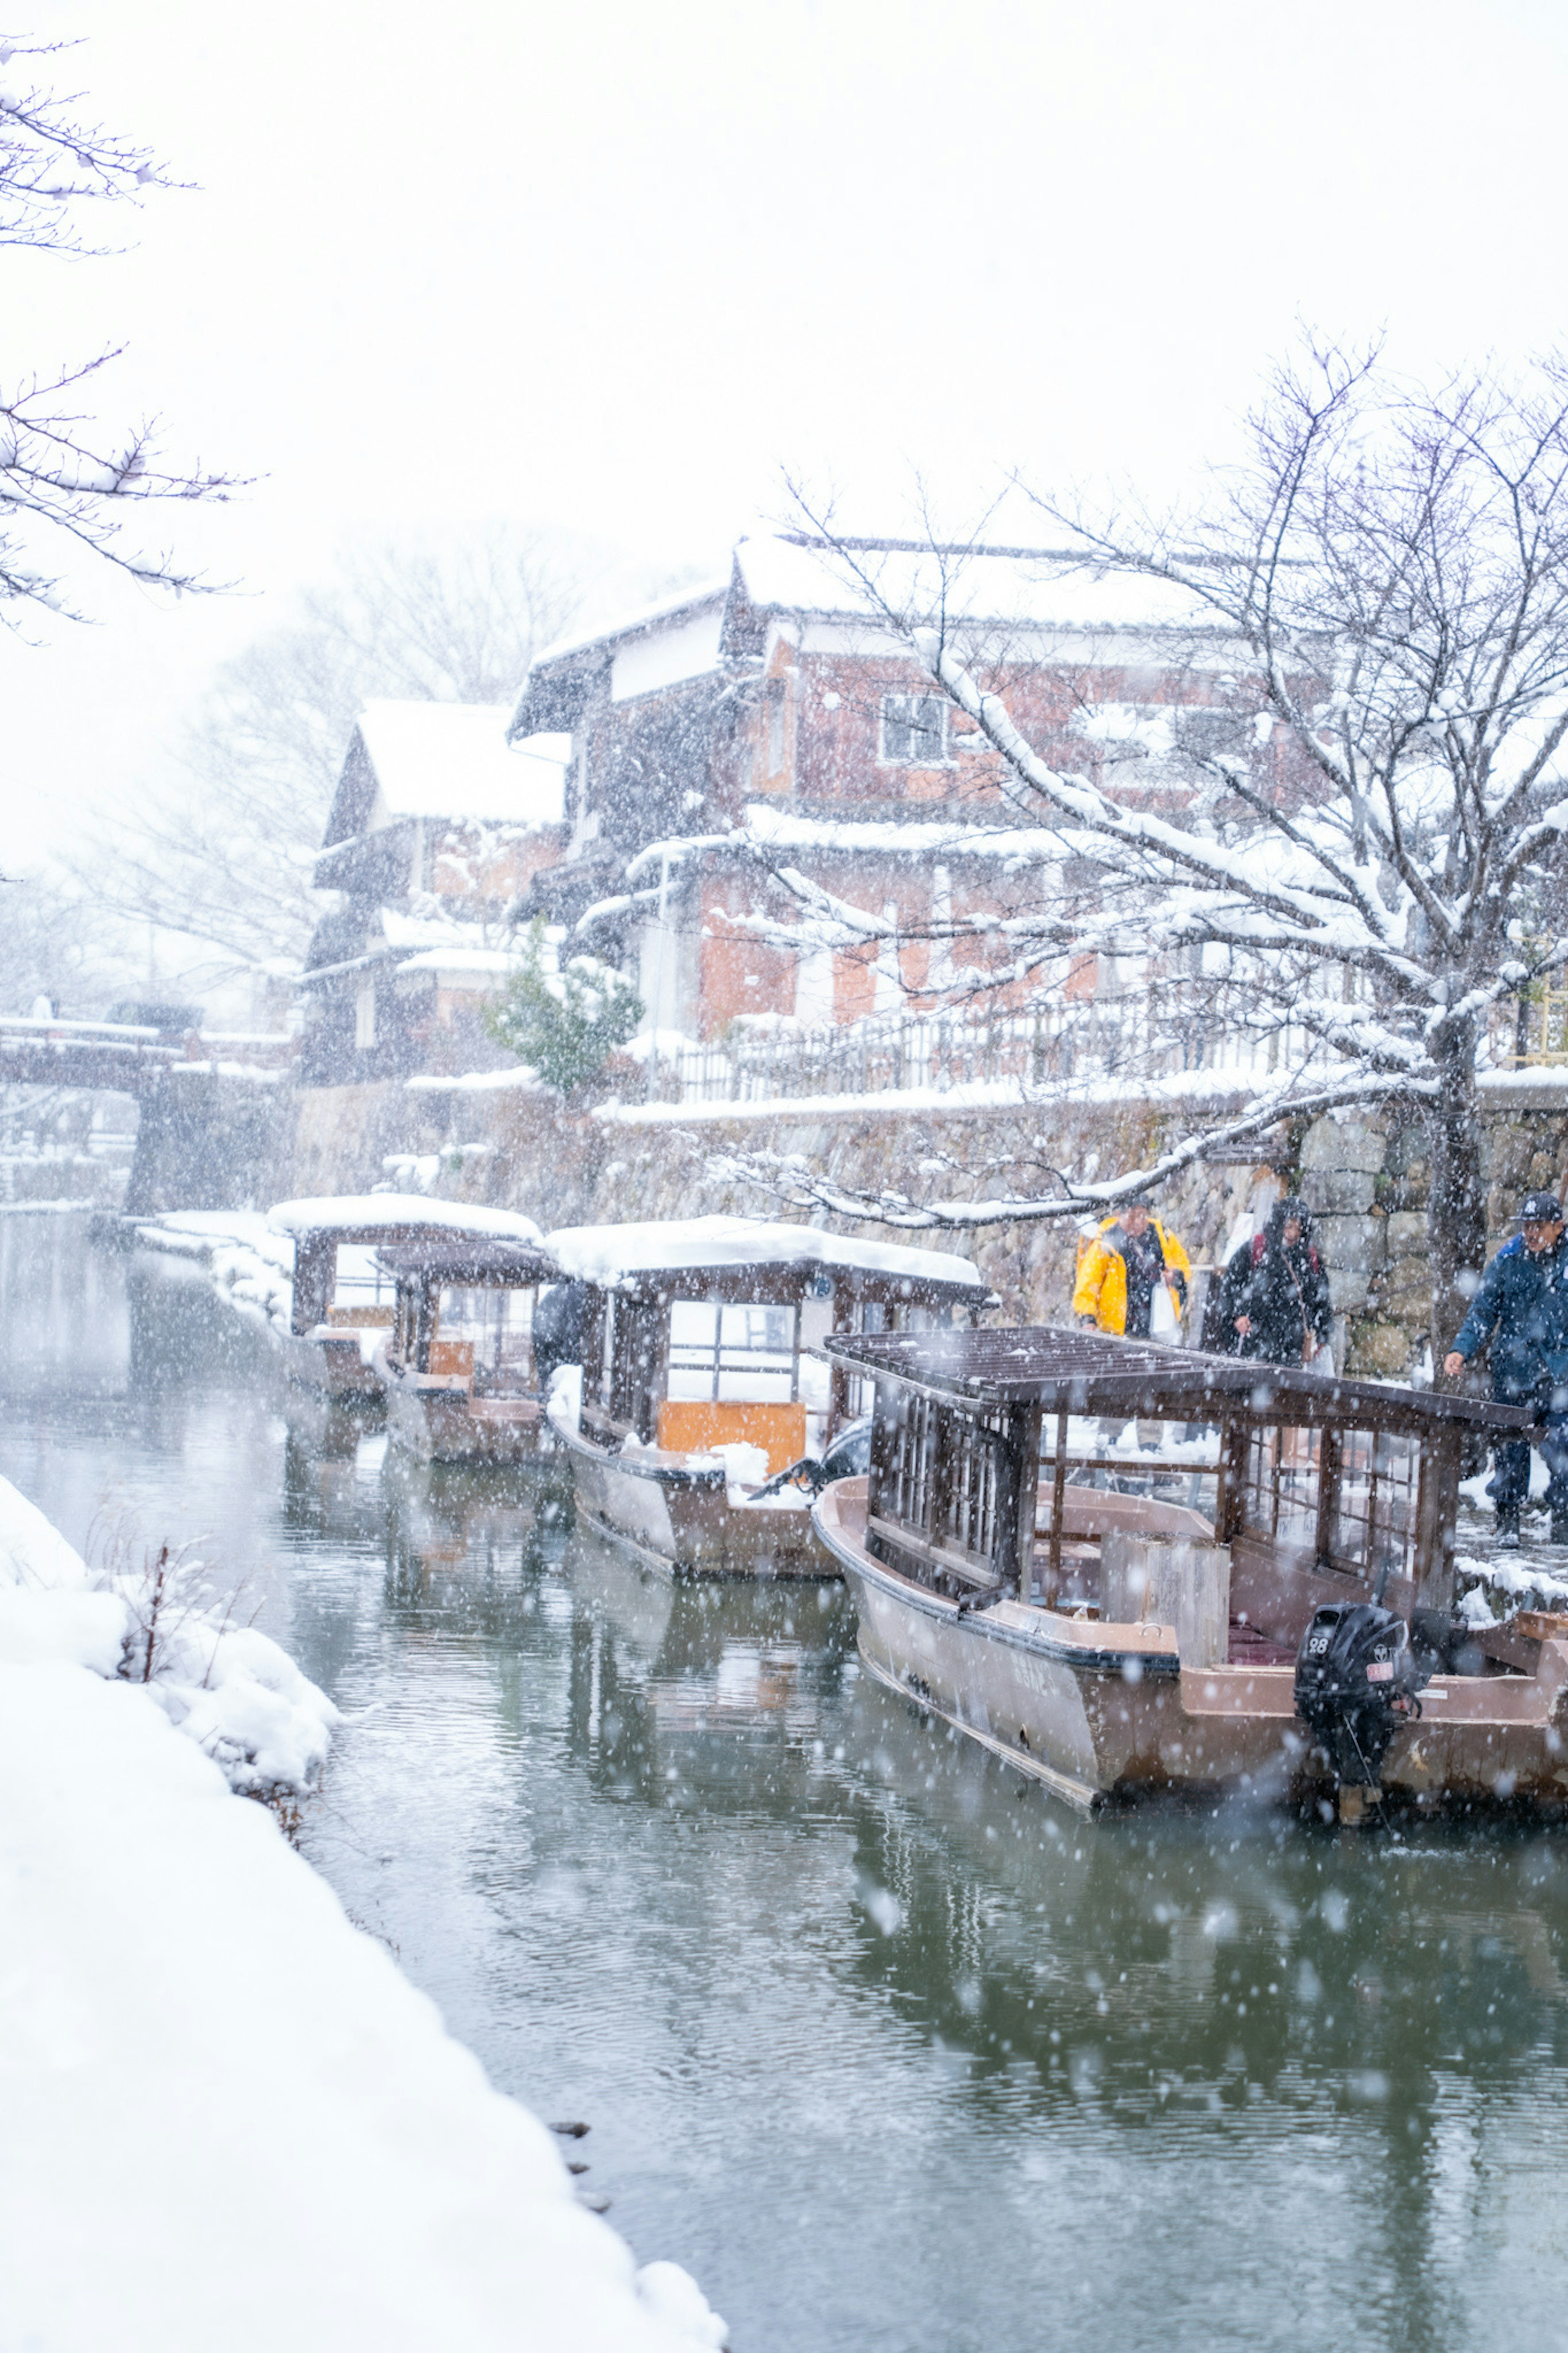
(777,717)
(437,832)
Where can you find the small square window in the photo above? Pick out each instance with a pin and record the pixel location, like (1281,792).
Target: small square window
(914,730)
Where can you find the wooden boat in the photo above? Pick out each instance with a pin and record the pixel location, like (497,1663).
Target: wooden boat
(702,1378)
(457,1365)
(334,1325)
(1114,1644)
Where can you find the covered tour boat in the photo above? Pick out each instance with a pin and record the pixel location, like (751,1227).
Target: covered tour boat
(1281,1620)
(342,1304)
(459,1366)
(704,1385)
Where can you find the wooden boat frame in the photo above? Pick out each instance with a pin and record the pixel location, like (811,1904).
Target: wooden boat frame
(964,1606)
(675,1508)
(440,1411)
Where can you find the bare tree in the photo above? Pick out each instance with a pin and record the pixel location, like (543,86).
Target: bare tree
(1391,567)
(224,857)
(68,485)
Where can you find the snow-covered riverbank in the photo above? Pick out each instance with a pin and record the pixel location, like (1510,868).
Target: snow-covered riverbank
(228,2117)
(248,1264)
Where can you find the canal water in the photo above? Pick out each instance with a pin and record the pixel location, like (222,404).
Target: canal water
(888,2051)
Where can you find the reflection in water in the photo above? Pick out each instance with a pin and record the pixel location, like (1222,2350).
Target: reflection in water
(890,2050)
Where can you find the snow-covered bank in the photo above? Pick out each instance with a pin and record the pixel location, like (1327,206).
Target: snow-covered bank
(228,2119)
(148,1619)
(250,1265)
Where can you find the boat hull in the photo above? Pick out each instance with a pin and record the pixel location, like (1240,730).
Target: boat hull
(1104,1712)
(331,1363)
(677,1517)
(438,1425)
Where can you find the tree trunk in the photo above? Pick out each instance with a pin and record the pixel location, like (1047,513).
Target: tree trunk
(1456,1220)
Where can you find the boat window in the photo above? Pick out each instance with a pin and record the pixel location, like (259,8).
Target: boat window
(498,1319)
(361,1282)
(744,1354)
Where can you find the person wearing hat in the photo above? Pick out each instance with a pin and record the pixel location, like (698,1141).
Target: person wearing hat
(1274,1296)
(1521,1308)
(1120,1269)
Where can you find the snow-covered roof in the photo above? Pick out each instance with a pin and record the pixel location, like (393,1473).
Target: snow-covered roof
(640,618)
(412,1216)
(485,964)
(607,1254)
(1041,587)
(452,759)
(1037,589)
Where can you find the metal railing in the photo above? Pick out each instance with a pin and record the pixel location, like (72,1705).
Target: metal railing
(1172,1026)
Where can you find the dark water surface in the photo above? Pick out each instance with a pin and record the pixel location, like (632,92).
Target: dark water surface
(889,2054)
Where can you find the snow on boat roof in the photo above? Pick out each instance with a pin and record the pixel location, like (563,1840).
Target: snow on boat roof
(606,1254)
(413,1216)
(452,759)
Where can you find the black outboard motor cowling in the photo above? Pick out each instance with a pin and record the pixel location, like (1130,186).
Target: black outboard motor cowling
(1355,1684)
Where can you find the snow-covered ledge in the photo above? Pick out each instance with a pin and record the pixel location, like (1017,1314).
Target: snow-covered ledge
(228,2119)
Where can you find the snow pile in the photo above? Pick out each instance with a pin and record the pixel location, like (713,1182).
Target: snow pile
(564,1402)
(745,1467)
(421,1172)
(229,1688)
(1491,1591)
(250,1265)
(229,2120)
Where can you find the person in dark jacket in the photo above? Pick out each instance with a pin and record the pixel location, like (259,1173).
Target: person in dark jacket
(560,1319)
(1274,1296)
(1521,1308)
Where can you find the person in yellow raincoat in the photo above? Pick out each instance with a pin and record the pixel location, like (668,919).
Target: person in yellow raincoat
(1122,1267)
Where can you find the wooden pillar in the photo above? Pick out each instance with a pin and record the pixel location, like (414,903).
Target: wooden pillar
(1059,1504)
(1331,1458)
(1230,1500)
(315,1280)
(838,1380)
(1017,1480)
(425,1327)
(885,1406)
(1437,1505)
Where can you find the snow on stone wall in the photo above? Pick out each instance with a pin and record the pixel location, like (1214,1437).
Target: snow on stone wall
(1367,1179)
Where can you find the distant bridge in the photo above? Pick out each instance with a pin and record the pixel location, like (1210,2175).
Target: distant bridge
(39,1053)
(215,1115)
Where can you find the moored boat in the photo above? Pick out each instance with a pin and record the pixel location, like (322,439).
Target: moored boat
(457,1365)
(335,1324)
(1114,1644)
(704,1386)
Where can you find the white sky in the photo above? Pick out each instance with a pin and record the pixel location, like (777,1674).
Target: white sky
(610,265)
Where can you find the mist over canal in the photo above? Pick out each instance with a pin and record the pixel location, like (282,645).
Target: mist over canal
(889,2052)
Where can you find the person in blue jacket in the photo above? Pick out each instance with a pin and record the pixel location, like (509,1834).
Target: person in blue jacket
(1521,1308)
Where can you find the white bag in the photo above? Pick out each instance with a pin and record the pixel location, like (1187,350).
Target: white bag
(1322,1361)
(1163,1322)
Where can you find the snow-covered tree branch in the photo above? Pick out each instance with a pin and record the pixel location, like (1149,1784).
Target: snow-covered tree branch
(1376,604)
(68,484)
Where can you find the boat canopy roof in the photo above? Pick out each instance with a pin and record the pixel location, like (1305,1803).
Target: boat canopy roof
(1065,1370)
(396,1218)
(472,1265)
(750,1257)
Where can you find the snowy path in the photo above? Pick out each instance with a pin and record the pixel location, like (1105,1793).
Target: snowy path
(227,2118)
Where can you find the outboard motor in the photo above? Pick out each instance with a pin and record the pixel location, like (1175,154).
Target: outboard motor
(1355,1684)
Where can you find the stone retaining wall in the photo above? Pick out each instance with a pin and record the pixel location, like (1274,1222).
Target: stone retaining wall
(1365,1177)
